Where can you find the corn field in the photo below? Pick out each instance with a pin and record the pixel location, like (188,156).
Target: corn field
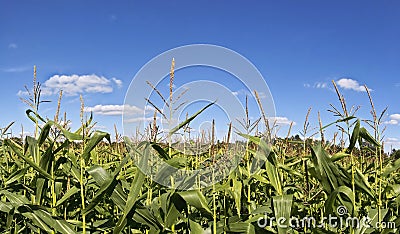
(63,180)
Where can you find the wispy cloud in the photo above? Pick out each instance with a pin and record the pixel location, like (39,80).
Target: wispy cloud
(262,95)
(12,46)
(240,92)
(117,82)
(317,85)
(320,85)
(393,141)
(394,119)
(73,85)
(243,92)
(351,84)
(16,69)
(281,120)
(22,93)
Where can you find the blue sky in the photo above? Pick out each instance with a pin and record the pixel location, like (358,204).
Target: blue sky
(298,46)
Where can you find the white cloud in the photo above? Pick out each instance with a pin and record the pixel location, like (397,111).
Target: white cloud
(351,84)
(114,109)
(395,116)
(117,82)
(12,46)
(281,120)
(77,84)
(118,110)
(22,93)
(392,141)
(392,122)
(394,119)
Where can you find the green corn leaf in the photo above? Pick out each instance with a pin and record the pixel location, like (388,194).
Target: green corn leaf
(325,170)
(188,120)
(41,188)
(160,151)
(15,176)
(37,221)
(58,225)
(237,194)
(94,140)
(38,117)
(338,156)
(395,188)
(241,227)
(338,121)
(362,183)
(15,199)
(32,146)
(135,188)
(374,218)
(86,125)
(264,153)
(100,175)
(69,135)
(72,191)
(364,134)
(176,206)
(44,133)
(272,172)
(335,195)
(26,159)
(196,199)
(171,166)
(282,209)
(195,227)
(47,158)
(106,188)
(45,163)
(144,216)
(5,207)
(354,136)
(392,167)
